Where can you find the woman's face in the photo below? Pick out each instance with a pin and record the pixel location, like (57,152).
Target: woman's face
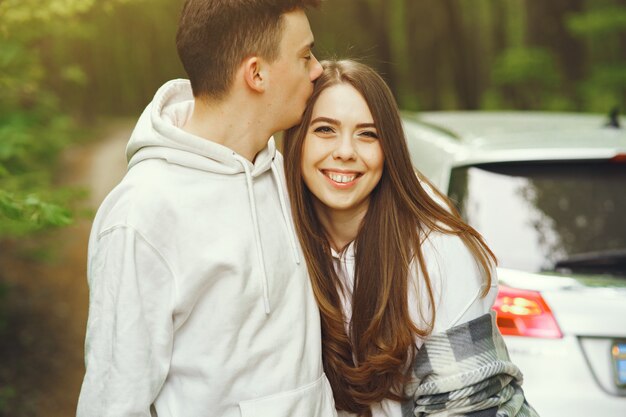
(342,160)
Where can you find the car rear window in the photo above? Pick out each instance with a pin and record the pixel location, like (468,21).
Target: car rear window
(548,216)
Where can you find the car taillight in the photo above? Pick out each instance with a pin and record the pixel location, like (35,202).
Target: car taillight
(524,313)
(620,158)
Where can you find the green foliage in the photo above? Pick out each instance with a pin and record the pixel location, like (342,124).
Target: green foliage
(518,66)
(598,23)
(527,78)
(109,57)
(603,28)
(6,394)
(114,61)
(32,133)
(30,212)
(33,126)
(605,88)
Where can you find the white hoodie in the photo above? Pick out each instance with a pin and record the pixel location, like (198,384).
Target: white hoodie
(200,303)
(457,283)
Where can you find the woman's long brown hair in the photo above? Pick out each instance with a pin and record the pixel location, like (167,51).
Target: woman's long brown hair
(370,363)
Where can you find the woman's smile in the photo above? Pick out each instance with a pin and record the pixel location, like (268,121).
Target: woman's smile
(342,159)
(341,179)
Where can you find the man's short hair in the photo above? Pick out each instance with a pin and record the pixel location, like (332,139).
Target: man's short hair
(215,36)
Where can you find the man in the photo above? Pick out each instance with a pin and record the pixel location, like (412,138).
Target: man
(200,303)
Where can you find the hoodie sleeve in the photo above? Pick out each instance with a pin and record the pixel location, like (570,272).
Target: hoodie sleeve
(466,371)
(130,329)
(458,281)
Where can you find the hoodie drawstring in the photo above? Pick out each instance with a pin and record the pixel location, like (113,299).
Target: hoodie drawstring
(257,233)
(283,205)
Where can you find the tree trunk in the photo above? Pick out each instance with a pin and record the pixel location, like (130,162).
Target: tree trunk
(464,76)
(546,24)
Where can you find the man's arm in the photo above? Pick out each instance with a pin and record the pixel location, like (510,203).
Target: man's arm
(130,330)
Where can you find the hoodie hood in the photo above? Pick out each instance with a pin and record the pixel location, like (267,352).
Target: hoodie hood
(159,135)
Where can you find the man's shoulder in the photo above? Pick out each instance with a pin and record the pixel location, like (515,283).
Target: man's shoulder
(139,196)
(156,193)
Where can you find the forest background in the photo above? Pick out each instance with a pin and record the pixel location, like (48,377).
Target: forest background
(69,67)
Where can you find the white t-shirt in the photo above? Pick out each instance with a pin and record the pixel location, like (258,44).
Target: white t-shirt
(457,283)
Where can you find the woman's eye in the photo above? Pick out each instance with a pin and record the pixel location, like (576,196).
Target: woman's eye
(370,134)
(323,129)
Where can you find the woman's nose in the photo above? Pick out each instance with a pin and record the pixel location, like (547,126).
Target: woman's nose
(344,149)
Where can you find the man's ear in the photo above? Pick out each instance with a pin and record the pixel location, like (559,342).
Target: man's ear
(254,72)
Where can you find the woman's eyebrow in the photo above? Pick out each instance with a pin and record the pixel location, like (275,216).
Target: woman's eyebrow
(327,120)
(338,123)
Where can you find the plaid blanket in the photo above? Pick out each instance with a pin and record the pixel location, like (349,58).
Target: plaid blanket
(466,371)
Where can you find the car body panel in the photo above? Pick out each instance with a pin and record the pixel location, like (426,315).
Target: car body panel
(573,375)
(487,139)
(558,381)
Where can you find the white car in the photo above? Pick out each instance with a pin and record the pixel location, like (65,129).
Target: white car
(548,193)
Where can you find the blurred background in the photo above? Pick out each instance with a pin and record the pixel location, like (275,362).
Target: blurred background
(76,74)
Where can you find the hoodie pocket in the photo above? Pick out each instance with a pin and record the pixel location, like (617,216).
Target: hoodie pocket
(312,400)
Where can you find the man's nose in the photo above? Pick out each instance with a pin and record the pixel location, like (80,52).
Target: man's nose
(316,69)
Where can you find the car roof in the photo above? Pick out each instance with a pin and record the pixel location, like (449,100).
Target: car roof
(501,136)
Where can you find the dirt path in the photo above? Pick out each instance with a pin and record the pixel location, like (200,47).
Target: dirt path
(42,355)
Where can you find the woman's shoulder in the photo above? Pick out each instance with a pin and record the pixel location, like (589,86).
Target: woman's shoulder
(445,247)
(457,278)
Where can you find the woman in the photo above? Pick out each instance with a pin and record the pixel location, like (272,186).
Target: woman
(404,286)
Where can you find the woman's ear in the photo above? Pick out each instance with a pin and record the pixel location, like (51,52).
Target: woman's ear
(255,74)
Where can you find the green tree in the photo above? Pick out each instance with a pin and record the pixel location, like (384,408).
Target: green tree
(602,26)
(33,128)
(527,78)
(36,64)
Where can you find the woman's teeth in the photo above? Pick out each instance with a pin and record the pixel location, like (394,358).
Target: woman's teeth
(341,178)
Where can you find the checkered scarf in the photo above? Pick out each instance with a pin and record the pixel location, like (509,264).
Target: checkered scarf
(466,371)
